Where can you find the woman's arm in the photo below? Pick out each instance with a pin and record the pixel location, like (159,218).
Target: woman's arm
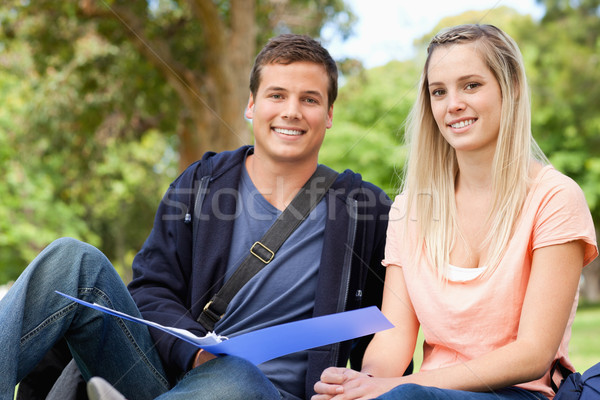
(552,286)
(391,351)
(388,354)
(553,283)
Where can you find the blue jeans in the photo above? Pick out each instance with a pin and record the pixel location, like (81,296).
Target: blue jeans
(228,377)
(33,318)
(413,391)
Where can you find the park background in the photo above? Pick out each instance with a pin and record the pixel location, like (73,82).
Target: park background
(104,102)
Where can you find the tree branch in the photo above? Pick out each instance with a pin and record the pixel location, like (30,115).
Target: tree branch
(243,30)
(156,51)
(215,31)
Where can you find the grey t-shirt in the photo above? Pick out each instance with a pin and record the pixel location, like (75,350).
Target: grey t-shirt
(283,291)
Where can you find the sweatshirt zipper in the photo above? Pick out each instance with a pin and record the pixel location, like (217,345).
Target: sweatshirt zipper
(200,194)
(348,253)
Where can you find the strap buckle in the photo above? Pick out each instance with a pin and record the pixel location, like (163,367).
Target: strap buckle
(267,254)
(210,313)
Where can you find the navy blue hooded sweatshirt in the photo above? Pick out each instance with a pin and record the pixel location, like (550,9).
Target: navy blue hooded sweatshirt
(177,272)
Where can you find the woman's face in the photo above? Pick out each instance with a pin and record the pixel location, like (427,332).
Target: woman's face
(466,99)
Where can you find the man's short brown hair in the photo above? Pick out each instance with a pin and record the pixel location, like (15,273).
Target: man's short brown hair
(289,48)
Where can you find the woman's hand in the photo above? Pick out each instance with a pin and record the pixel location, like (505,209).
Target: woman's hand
(347,384)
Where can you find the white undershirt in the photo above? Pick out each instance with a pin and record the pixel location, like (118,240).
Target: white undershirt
(459,274)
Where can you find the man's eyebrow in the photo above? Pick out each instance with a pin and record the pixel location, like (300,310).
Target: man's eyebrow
(313,93)
(276,89)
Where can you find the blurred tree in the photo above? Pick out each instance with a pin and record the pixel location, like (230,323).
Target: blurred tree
(506,18)
(566,91)
(201,49)
(30,216)
(96,90)
(368,123)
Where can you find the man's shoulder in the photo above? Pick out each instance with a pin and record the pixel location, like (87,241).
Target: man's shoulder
(354,180)
(213,164)
(351,185)
(225,159)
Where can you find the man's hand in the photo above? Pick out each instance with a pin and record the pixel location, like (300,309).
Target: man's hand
(202,357)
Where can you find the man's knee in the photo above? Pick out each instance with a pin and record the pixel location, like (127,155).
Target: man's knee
(73,247)
(246,381)
(66,262)
(229,378)
(74,252)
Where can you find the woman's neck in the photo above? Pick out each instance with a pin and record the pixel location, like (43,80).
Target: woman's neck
(474,174)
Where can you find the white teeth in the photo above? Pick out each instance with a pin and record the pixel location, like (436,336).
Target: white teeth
(462,124)
(288,131)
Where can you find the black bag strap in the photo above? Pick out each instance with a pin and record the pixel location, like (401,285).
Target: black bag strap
(564,371)
(263,251)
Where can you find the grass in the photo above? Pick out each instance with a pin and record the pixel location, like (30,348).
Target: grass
(584,348)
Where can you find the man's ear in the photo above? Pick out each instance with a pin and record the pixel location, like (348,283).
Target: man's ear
(329,122)
(249,113)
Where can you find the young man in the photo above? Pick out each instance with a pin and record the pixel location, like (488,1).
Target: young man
(329,264)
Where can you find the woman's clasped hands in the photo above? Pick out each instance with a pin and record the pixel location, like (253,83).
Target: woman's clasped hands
(345,384)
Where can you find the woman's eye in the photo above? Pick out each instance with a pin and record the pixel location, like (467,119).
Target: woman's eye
(437,92)
(472,85)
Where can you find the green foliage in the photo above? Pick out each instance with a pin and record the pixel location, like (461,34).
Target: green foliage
(30,216)
(83,154)
(303,17)
(367,132)
(506,18)
(564,75)
(89,123)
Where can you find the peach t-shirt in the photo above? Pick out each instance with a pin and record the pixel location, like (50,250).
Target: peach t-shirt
(464,319)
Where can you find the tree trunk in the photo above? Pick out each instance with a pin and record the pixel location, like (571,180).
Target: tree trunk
(217,99)
(209,127)
(213,99)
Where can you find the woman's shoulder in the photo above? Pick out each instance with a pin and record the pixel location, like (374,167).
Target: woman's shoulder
(554,193)
(561,212)
(551,180)
(398,208)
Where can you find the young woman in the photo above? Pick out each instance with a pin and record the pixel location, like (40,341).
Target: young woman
(486,241)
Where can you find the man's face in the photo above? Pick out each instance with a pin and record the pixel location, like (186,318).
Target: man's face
(289,112)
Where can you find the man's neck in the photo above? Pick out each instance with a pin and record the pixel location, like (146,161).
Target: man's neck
(278,182)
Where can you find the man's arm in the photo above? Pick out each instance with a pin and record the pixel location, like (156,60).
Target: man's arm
(161,274)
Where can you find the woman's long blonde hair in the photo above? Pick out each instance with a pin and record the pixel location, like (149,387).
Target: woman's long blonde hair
(431,169)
